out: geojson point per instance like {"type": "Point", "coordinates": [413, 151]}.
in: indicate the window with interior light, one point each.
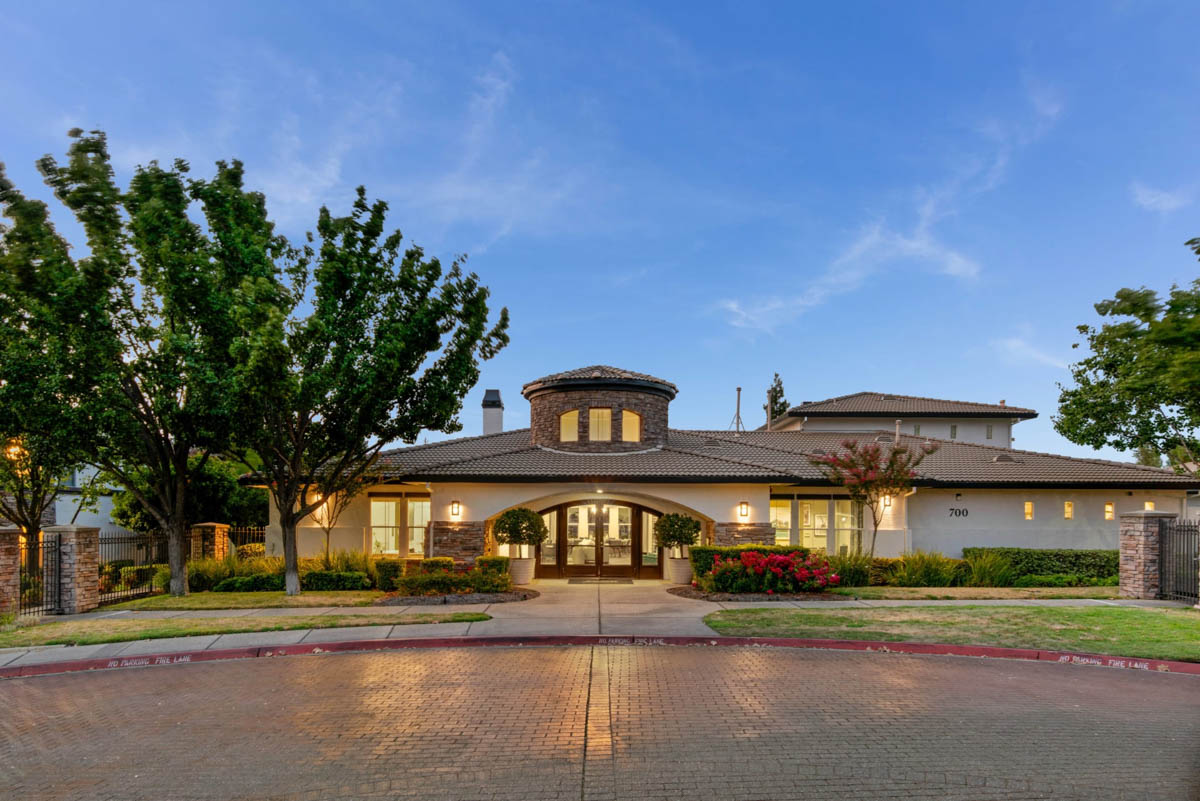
{"type": "Point", "coordinates": [1109, 511]}
{"type": "Point", "coordinates": [568, 426]}
{"type": "Point", "coordinates": [600, 425]}
{"type": "Point", "coordinates": [781, 520]}
{"type": "Point", "coordinates": [1148, 506]}
{"type": "Point", "coordinates": [953, 431]}
{"type": "Point", "coordinates": [916, 428]}
{"type": "Point", "coordinates": [1028, 510]}
{"type": "Point", "coordinates": [1068, 510]}
{"type": "Point", "coordinates": [631, 426]}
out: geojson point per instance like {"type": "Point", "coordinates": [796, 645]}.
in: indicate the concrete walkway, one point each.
{"type": "Point", "coordinates": [640, 609]}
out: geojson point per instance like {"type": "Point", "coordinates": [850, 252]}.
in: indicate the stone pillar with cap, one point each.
{"type": "Point", "coordinates": [1140, 543]}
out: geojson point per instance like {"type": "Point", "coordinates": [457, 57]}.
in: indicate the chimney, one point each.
{"type": "Point", "coordinates": [897, 439]}
{"type": "Point", "coordinates": [493, 412]}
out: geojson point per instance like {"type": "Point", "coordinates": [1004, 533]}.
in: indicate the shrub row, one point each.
{"type": "Point", "coordinates": [754, 571]}
{"type": "Point", "coordinates": [315, 580]}
{"type": "Point", "coordinates": [1099, 564]}
{"type": "Point", "coordinates": [702, 556]}
{"type": "Point", "coordinates": [445, 582]}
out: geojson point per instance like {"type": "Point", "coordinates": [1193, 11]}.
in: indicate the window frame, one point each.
{"type": "Point", "coordinates": [1110, 510]}
{"type": "Point", "coordinates": [1068, 510]}
{"type": "Point", "coordinates": [954, 431]}
{"type": "Point", "coordinates": [988, 433]}
{"type": "Point", "coordinates": [1029, 510]}
{"type": "Point", "coordinates": [592, 427]}
{"type": "Point", "coordinates": [574, 430]}
{"type": "Point", "coordinates": [625, 415]}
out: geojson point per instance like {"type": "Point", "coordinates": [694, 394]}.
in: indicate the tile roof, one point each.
{"type": "Point", "coordinates": [870, 404]}
{"type": "Point", "coordinates": [777, 457]}
{"type": "Point", "coordinates": [598, 372]}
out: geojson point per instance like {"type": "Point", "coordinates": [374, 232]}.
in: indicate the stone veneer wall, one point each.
{"type": "Point", "coordinates": [545, 408]}
{"type": "Point", "coordinates": [10, 557]}
{"type": "Point", "coordinates": [1139, 544]}
{"type": "Point", "coordinates": [78, 567]}
{"type": "Point", "coordinates": [743, 534]}
{"type": "Point", "coordinates": [462, 541]}
{"type": "Point", "coordinates": [209, 540]}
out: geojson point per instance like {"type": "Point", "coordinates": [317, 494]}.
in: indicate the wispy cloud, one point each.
{"type": "Point", "coordinates": [1160, 200]}
{"type": "Point", "coordinates": [920, 245]}
{"type": "Point", "coordinates": [1019, 350]}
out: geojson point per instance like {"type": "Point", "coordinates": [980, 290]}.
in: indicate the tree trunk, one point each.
{"type": "Point", "coordinates": [291, 560]}
{"type": "Point", "coordinates": [177, 553]}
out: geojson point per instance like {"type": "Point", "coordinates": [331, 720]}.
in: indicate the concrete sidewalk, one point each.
{"type": "Point", "coordinates": [640, 609]}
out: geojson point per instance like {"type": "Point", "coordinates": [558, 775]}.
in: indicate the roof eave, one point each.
{"type": "Point", "coordinates": [997, 415]}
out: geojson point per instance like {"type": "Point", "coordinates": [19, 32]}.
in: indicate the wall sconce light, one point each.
{"type": "Point", "coordinates": [887, 501]}
{"type": "Point", "coordinates": [455, 508]}
{"type": "Point", "coordinates": [743, 509]}
{"type": "Point", "coordinates": [599, 490]}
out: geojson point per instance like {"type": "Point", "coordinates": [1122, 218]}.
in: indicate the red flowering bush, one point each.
{"type": "Point", "coordinates": [752, 571]}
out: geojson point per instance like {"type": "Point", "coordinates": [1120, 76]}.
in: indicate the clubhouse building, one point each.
{"type": "Point", "coordinates": [600, 462]}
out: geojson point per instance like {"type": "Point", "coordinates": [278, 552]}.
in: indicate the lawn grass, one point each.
{"type": "Point", "coordinates": [100, 630]}
{"type": "Point", "coordinates": [1155, 633]}
{"type": "Point", "coordinates": [973, 593]}
{"type": "Point", "coordinates": [250, 600]}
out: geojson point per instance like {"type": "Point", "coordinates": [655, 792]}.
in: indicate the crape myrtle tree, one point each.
{"type": "Point", "coordinates": [870, 475]}
{"type": "Point", "coordinates": [139, 322]}
{"type": "Point", "coordinates": [360, 344]}
{"type": "Point", "coordinates": [1139, 387]}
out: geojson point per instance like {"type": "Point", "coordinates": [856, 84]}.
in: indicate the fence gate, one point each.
{"type": "Point", "coordinates": [38, 576]}
{"type": "Point", "coordinates": [1179, 560]}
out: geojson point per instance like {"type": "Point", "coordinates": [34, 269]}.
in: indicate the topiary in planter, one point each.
{"type": "Point", "coordinates": [520, 526]}
{"type": "Point", "coordinates": [674, 531]}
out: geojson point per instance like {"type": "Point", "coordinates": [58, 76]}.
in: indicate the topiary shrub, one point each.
{"type": "Point", "coordinates": [674, 531]}
{"type": "Point", "coordinates": [433, 563]}
{"type": "Point", "coordinates": [492, 564]}
{"type": "Point", "coordinates": [387, 572]}
{"type": "Point", "coordinates": [520, 526]}
{"type": "Point", "coordinates": [332, 580]}
{"type": "Point", "coordinates": [1094, 563]}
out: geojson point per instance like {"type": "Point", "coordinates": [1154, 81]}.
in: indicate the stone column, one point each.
{"type": "Point", "coordinates": [10, 582]}
{"type": "Point", "coordinates": [743, 534]}
{"type": "Point", "coordinates": [209, 540]}
{"type": "Point", "coordinates": [1139, 544]}
{"type": "Point", "coordinates": [78, 567]}
{"type": "Point", "coordinates": [460, 540]}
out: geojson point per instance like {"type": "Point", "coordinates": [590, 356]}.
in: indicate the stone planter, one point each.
{"type": "Point", "coordinates": [521, 570]}
{"type": "Point", "coordinates": [677, 571]}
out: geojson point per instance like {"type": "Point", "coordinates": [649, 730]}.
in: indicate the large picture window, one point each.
{"type": "Point", "coordinates": [398, 525]}
{"type": "Point", "coordinates": [600, 425]}
{"type": "Point", "coordinates": [781, 521]}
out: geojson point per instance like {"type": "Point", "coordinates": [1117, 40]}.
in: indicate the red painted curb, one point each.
{"type": "Point", "coordinates": [300, 649]}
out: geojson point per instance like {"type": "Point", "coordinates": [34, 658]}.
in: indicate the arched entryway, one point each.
{"type": "Point", "coordinates": [593, 537]}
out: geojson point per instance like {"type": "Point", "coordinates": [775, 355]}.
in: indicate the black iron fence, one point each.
{"type": "Point", "coordinates": [246, 535]}
{"type": "Point", "coordinates": [38, 575]}
{"type": "Point", "coordinates": [129, 564]}
{"type": "Point", "coordinates": [1179, 560]}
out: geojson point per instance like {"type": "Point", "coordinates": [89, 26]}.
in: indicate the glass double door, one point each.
{"type": "Point", "coordinates": [600, 539]}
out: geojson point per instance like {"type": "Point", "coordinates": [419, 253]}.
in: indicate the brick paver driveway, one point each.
{"type": "Point", "coordinates": [602, 723]}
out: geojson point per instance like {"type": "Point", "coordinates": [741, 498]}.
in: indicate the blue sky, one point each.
{"type": "Point", "coordinates": [920, 198]}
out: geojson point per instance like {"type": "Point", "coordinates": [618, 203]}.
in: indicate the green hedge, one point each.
{"type": "Point", "coordinates": [1035, 561]}
{"type": "Point", "coordinates": [702, 555]}
{"type": "Point", "coordinates": [132, 576]}
{"type": "Point", "coordinates": [326, 580]}
{"type": "Point", "coordinates": [388, 572]}
{"type": "Point", "coordinates": [255, 582]}
{"type": "Point", "coordinates": [436, 563]}
{"type": "Point", "coordinates": [444, 582]}
{"type": "Point", "coordinates": [492, 564]}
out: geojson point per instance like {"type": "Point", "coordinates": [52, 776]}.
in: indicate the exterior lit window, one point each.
{"type": "Point", "coordinates": [781, 520]}
{"type": "Point", "coordinates": [568, 426]}
{"type": "Point", "coordinates": [1109, 511]}
{"type": "Point", "coordinates": [989, 431]}
{"type": "Point", "coordinates": [916, 428]}
{"type": "Point", "coordinates": [1149, 506]}
{"type": "Point", "coordinates": [953, 431]}
{"type": "Point", "coordinates": [1028, 510]}
{"type": "Point", "coordinates": [1068, 510]}
{"type": "Point", "coordinates": [600, 425]}
{"type": "Point", "coordinates": [631, 426]}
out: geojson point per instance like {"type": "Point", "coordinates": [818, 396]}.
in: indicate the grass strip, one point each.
{"type": "Point", "coordinates": [1153, 633]}
{"type": "Point", "coordinates": [974, 593]}
{"type": "Point", "coordinates": [94, 631]}
{"type": "Point", "coordinates": [249, 600]}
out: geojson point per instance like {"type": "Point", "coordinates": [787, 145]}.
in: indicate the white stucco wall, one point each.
{"type": "Point", "coordinates": [997, 517]}
{"type": "Point", "coordinates": [969, 429]}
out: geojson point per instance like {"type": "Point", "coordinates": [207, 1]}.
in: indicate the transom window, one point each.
{"type": "Point", "coordinates": [600, 425]}
{"type": "Point", "coordinates": [631, 426]}
{"type": "Point", "coordinates": [568, 426]}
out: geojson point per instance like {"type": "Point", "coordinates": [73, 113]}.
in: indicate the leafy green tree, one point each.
{"type": "Point", "coordinates": [870, 475]}
{"type": "Point", "coordinates": [1139, 387]}
{"type": "Point", "coordinates": [1148, 456]}
{"type": "Point", "coordinates": [139, 327]}
{"type": "Point", "coordinates": [359, 345]}
{"type": "Point", "coordinates": [779, 404]}
{"type": "Point", "coordinates": [214, 495]}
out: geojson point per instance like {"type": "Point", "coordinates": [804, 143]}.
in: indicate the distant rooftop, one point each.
{"type": "Point", "coordinates": [880, 404]}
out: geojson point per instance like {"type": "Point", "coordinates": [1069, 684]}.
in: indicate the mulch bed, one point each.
{"type": "Point", "coordinates": [395, 599]}
{"type": "Point", "coordinates": [699, 595]}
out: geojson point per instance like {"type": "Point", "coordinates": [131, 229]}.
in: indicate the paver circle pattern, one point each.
{"type": "Point", "coordinates": [603, 722]}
